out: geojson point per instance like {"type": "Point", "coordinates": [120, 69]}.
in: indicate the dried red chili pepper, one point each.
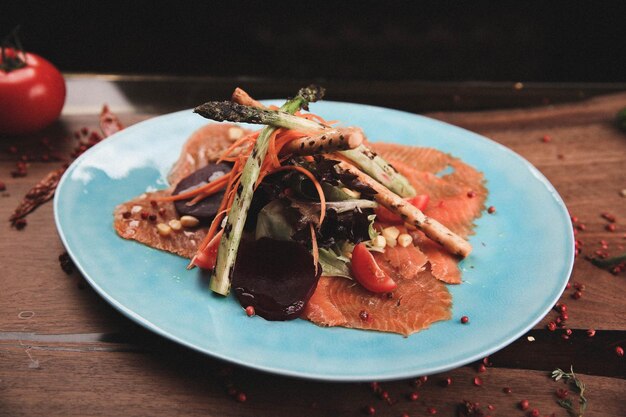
{"type": "Point", "coordinates": [109, 123]}
{"type": "Point", "coordinates": [37, 195]}
{"type": "Point", "coordinates": [45, 188]}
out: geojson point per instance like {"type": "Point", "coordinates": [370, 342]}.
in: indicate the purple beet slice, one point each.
{"type": "Point", "coordinates": [275, 277]}
{"type": "Point", "coordinates": [206, 209]}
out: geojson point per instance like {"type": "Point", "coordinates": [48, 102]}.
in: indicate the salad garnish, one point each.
{"type": "Point", "coordinates": [389, 186]}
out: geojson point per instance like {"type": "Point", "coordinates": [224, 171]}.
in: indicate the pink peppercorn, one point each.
{"type": "Point", "coordinates": [20, 224]}
{"type": "Point", "coordinates": [523, 405]}
{"type": "Point", "coordinates": [464, 319]}
{"type": "Point", "coordinates": [619, 351]}
{"type": "Point", "coordinates": [369, 410]}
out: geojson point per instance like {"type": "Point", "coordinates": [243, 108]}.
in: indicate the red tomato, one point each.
{"type": "Point", "coordinates": [31, 97]}
{"type": "Point", "coordinates": [367, 272]}
{"type": "Point", "coordinates": [208, 257]}
{"type": "Point", "coordinates": [420, 201]}
{"type": "Point", "coordinates": [386, 216]}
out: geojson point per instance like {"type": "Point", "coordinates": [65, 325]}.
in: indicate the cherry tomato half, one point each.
{"type": "Point", "coordinates": [208, 257]}
{"type": "Point", "coordinates": [31, 97]}
{"type": "Point", "coordinates": [367, 272]}
{"type": "Point", "coordinates": [384, 215]}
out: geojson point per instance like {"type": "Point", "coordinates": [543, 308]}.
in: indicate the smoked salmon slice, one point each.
{"type": "Point", "coordinates": [414, 305]}
{"type": "Point", "coordinates": [137, 219]}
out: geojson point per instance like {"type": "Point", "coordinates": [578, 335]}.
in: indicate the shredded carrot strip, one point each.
{"type": "Point", "coordinates": [196, 199]}
{"type": "Point", "coordinates": [272, 156]}
{"type": "Point", "coordinates": [248, 138]}
{"type": "Point", "coordinates": [228, 159]}
{"type": "Point", "coordinates": [207, 189]}
{"type": "Point", "coordinates": [315, 182]}
{"type": "Point", "coordinates": [215, 238]}
{"type": "Point", "coordinates": [315, 117]}
{"type": "Point", "coordinates": [217, 221]}
{"type": "Point", "coordinates": [285, 139]}
{"type": "Point", "coordinates": [291, 134]}
{"type": "Point", "coordinates": [315, 250]}
{"type": "Point", "coordinates": [224, 206]}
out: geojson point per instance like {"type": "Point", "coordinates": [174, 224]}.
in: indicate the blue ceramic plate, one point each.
{"type": "Point", "coordinates": [522, 258]}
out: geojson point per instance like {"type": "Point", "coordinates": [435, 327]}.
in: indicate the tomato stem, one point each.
{"type": "Point", "coordinates": [12, 41]}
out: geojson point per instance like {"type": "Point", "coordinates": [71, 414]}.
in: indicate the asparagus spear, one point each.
{"type": "Point", "coordinates": [233, 112]}
{"type": "Point", "coordinates": [365, 158]}
{"type": "Point", "coordinates": [454, 243]}
{"type": "Point", "coordinates": [229, 244]}
{"type": "Point", "coordinates": [375, 166]}
{"type": "Point", "coordinates": [331, 140]}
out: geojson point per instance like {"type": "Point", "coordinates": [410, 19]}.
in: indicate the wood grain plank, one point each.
{"type": "Point", "coordinates": [69, 380]}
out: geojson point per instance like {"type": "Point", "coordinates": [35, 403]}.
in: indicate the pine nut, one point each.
{"type": "Point", "coordinates": [379, 242]}
{"type": "Point", "coordinates": [176, 225]}
{"type": "Point", "coordinates": [189, 221]}
{"type": "Point", "coordinates": [235, 133]}
{"type": "Point", "coordinates": [390, 234]}
{"type": "Point", "coordinates": [405, 240]}
{"type": "Point", "coordinates": [163, 229]}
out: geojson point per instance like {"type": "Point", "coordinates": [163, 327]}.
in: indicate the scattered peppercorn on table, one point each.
{"type": "Point", "coordinates": [65, 352]}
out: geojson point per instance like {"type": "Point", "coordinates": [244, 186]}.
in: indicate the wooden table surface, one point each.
{"type": "Point", "coordinates": [65, 352]}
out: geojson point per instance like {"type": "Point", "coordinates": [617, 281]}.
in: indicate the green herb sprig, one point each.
{"type": "Point", "coordinates": [559, 374]}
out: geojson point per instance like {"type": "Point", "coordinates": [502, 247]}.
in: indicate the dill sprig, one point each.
{"type": "Point", "coordinates": [566, 403]}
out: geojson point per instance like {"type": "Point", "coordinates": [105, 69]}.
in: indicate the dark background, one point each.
{"type": "Point", "coordinates": [431, 41]}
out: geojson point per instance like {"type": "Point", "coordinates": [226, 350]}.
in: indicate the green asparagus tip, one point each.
{"type": "Point", "coordinates": [311, 94]}
{"type": "Point", "coordinates": [228, 111]}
